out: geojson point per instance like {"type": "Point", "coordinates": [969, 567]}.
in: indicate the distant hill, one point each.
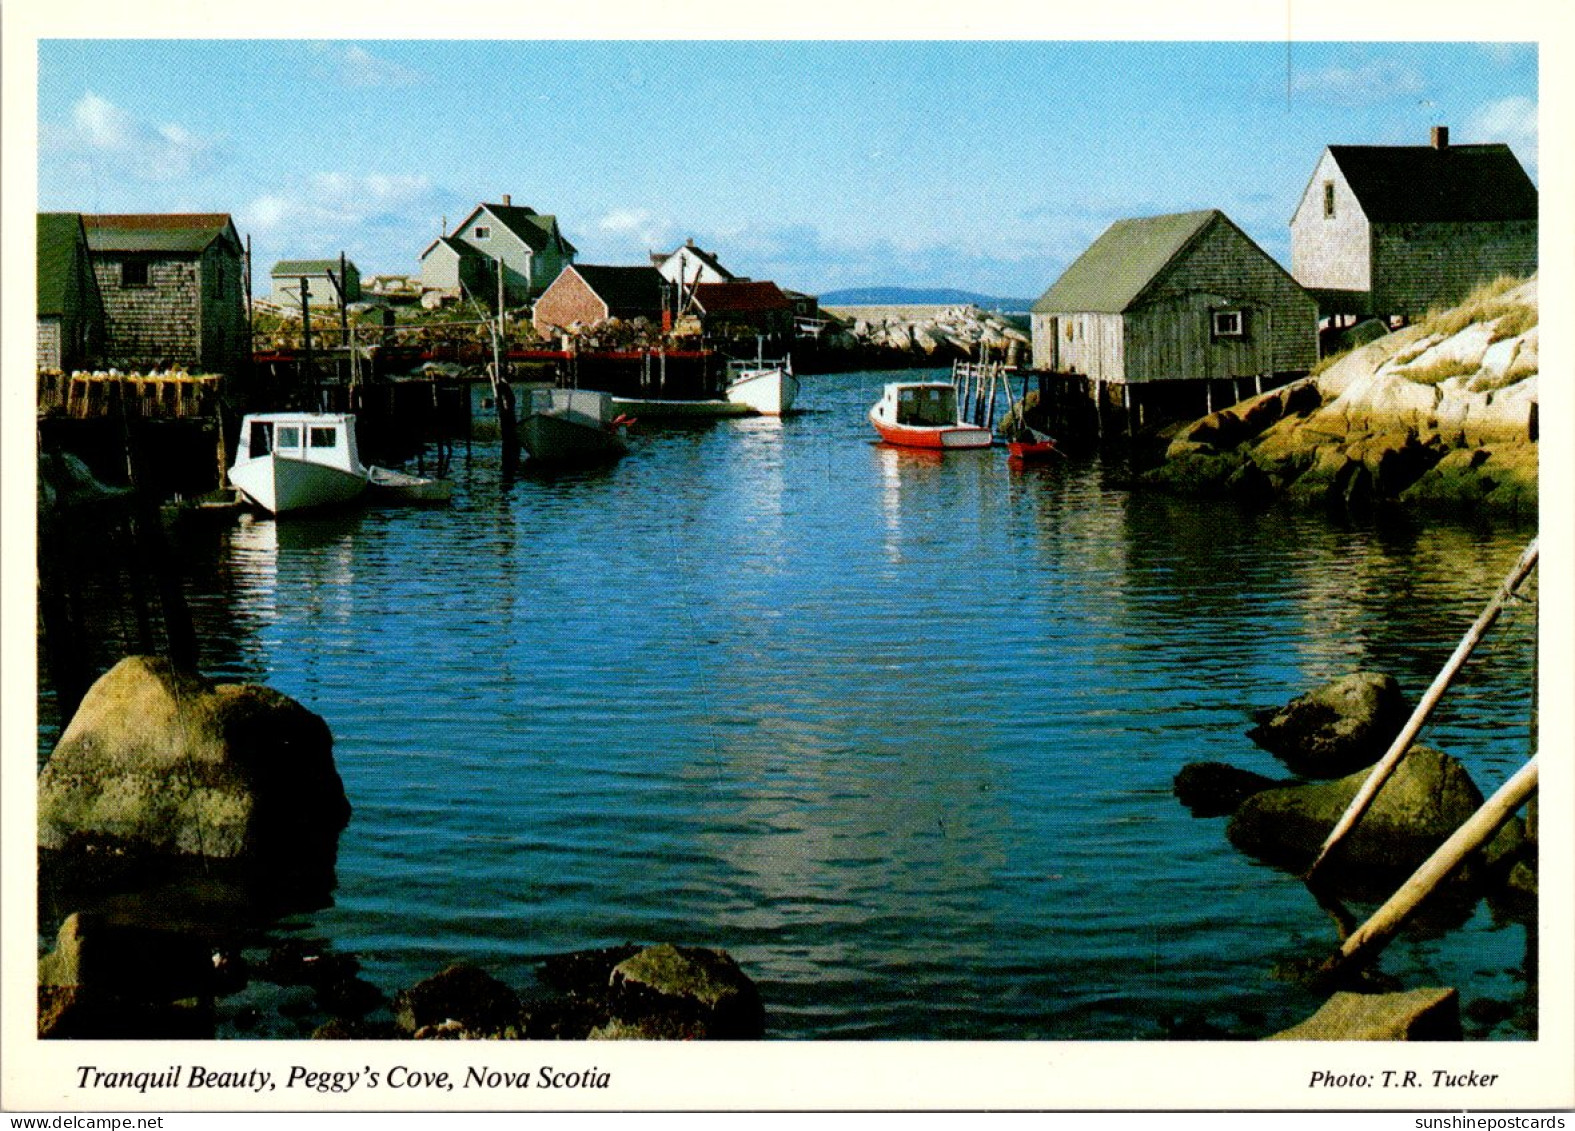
{"type": "Point", "coordinates": [916, 296]}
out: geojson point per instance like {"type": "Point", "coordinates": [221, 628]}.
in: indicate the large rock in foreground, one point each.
{"type": "Point", "coordinates": [693, 992]}
{"type": "Point", "coordinates": [164, 762]}
{"type": "Point", "coordinates": [1427, 798]}
{"type": "Point", "coordinates": [1337, 728]}
{"type": "Point", "coordinates": [1415, 1015]}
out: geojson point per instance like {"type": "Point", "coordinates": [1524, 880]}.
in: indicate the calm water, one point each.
{"type": "Point", "coordinates": [897, 731]}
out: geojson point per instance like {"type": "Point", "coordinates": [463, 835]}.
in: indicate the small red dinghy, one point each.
{"type": "Point", "coordinates": [1030, 444]}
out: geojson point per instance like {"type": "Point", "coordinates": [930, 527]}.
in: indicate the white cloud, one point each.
{"type": "Point", "coordinates": [1511, 120]}
{"type": "Point", "coordinates": [357, 67]}
{"type": "Point", "coordinates": [627, 234]}
{"type": "Point", "coordinates": [381, 220]}
{"type": "Point", "coordinates": [103, 132]}
{"type": "Point", "coordinates": [1371, 81]}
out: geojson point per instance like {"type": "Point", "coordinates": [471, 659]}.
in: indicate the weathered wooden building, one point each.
{"type": "Point", "coordinates": [588, 293]}
{"type": "Point", "coordinates": [1187, 296]}
{"type": "Point", "coordinates": [70, 308]}
{"type": "Point", "coordinates": [172, 290]}
{"type": "Point", "coordinates": [529, 246]}
{"type": "Point", "coordinates": [320, 276]}
{"type": "Point", "coordinates": [1396, 229]}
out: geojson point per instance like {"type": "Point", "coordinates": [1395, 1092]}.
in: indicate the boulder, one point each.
{"type": "Point", "coordinates": [1335, 729]}
{"type": "Point", "coordinates": [1214, 789]}
{"type": "Point", "coordinates": [694, 989]}
{"type": "Point", "coordinates": [460, 1001]}
{"type": "Point", "coordinates": [1427, 798]}
{"type": "Point", "coordinates": [1412, 1015]}
{"type": "Point", "coordinates": [163, 761]}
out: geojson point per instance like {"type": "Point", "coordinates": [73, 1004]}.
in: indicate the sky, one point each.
{"type": "Point", "coordinates": [987, 166]}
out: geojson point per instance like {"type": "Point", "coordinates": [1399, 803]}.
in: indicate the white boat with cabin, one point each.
{"type": "Point", "coordinates": [293, 461]}
{"type": "Point", "coordinates": [768, 387]}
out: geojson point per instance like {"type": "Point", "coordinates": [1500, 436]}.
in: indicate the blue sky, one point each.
{"type": "Point", "coordinates": [982, 165]}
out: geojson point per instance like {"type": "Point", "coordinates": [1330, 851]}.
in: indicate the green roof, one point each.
{"type": "Point", "coordinates": [310, 267]}
{"type": "Point", "coordinates": [1119, 266]}
{"type": "Point", "coordinates": [188, 234]}
{"type": "Point", "coordinates": [59, 234]}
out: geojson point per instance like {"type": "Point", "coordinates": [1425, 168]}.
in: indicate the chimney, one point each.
{"type": "Point", "coordinates": [1440, 137]}
{"type": "Point", "coordinates": [509, 200]}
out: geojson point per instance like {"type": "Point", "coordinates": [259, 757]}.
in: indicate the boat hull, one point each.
{"type": "Point", "coordinates": [769, 391]}
{"type": "Point", "coordinates": [386, 486]}
{"type": "Point", "coordinates": [681, 409]}
{"type": "Point", "coordinates": [571, 426]}
{"type": "Point", "coordinates": [280, 485]}
{"type": "Point", "coordinates": [946, 437]}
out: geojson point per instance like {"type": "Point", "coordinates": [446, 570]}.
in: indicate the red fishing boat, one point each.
{"type": "Point", "coordinates": [924, 415]}
{"type": "Point", "coordinates": [1030, 445]}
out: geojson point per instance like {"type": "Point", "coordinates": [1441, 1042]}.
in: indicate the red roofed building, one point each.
{"type": "Point", "coordinates": [759, 307]}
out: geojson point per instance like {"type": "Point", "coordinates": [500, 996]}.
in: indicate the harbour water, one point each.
{"type": "Point", "coordinates": [898, 731]}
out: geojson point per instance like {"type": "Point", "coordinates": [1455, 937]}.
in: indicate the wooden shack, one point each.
{"type": "Point", "coordinates": [172, 289]}
{"type": "Point", "coordinates": [1393, 230]}
{"type": "Point", "coordinates": [1182, 297]}
{"type": "Point", "coordinates": [70, 308]}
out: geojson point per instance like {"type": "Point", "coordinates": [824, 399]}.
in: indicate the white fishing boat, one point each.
{"type": "Point", "coordinates": [683, 408]}
{"type": "Point", "coordinates": [293, 461]}
{"type": "Point", "coordinates": [571, 426]}
{"type": "Point", "coordinates": [767, 387]}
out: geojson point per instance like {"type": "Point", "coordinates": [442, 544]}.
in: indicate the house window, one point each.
{"type": "Point", "coordinates": [134, 273]}
{"type": "Point", "coordinates": [483, 232]}
{"type": "Point", "coordinates": [1328, 200]}
{"type": "Point", "coordinates": [1229, 324]}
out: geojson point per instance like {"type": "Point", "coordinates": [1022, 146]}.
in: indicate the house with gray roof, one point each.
{"type": "Point", "coordinates": [322, 282]}
{"type": "Point", "coordinates": [70, 308]}
{"type": "Point", "coordinates": [526, 247]}
{"type": "Point", "coordinates": [1187, 296]}
{"type": "Point", "coordinates": [1397, 229]}
{"type": "Point", "coordinates": [172, 290]}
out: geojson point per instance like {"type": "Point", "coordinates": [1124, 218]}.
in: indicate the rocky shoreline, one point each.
{"type": "Point", "coordinates": [1439, 417]}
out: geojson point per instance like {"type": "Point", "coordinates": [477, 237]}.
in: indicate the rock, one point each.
{"type": "Point", "coordinates": [168, 762]}
{"type": "Point", "coordinates": [1213, 789]}
{"type": "Point", "coordinates": [1428, 796]}
{"type": "Point", "coordinates": [127, 960]}
{"type": "Point", "coordinates": [1412, 1015]}
{"type": "Point", "coordinates": [696, 988]}
{"type": "Point", "coordinates": [1335, 729]}
{"type": "Point", "coordinates": [462, 1000]}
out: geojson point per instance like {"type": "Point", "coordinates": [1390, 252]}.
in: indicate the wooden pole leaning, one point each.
{"type": "Point", "coordinates": [1402, 743]}
{"type": "Point", "coordinates": [1367, 940]}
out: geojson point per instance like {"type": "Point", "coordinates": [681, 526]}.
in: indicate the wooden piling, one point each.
{"type": "Point", "coordinates": [1364, 944]}
{"type": "Point", "coordinates": [1402, 743]}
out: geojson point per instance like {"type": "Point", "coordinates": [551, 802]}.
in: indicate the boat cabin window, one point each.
{"type": "Point", "coordinates": [288, 436]}
{"type": "Point", "coordinates": [261, 440]}
{"type": "Point", "coordinates": [927, 407]}
{"type": "Point", "coordinates": [323, 437]}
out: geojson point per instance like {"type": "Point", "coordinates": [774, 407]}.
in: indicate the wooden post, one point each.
{"type": "Point", "coordinates": [1367, 940]}
{"type": "Point", "coordinates": [1385, 765]}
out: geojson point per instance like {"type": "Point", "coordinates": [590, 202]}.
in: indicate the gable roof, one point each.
{"type": "Point", "coordinates": [60, 274]}
{"type": "Point", "coordinates": [311, 267]}
{"type": "Point", "coordinates": [658, 259]}
{"type": "Point", "coordinates": [451, 244]}
{"type": "Point", "coordinates": [637, 290]}
{"type": "Point", "coordinates": [1121, 263]}
{"type": "Point", "coordinates": [538, 232]}
{"type": "Point", "coordinates": [183, 233]}
{"type": "Point", "coordinates": [1423, 184]}
{"type": "Point", "coordinates": [740, 298]}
